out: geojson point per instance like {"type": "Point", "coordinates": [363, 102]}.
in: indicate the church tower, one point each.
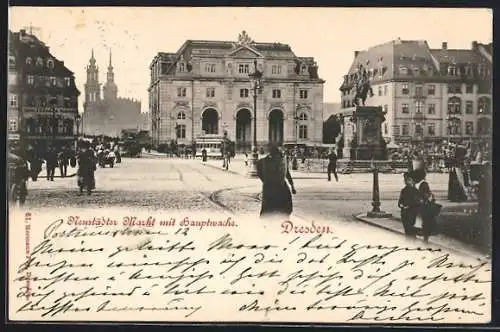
{"type": "Point", "coordinates": [92, 86]}
{"type": "Point", "coordinates": [110, 89]}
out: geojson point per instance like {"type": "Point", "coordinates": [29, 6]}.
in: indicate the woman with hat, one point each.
{"type": "Point", "coordinates": [274, 174]}
{"type": "Point", "coordinates": [428, 209]}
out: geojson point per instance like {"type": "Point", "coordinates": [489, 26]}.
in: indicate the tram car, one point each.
{"type": "Point", "coordinates": [212, 144]}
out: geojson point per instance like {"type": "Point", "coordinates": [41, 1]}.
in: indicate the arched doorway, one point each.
{"type": "Point", "coordinates": [210, 121]}
{"type": "Point", "coordinates": [243, 130]}
{"type": "Point", "coordinates": [276, 126]}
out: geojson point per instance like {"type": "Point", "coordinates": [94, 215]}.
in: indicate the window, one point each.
{"type": "Point", "coordinates": [431, 109]}
{"type": "Point", "coordinates": [454, 88]}
{"type": "Point", "coordinates": [386, 108]}
{"type": "Point", "coordinates": [181, 131]}
{"type": "Point", "coordinates": [469, 128]}
{"type": "Point", "coordinates": [419, 131]}
{"type": "Point", "coordinates": [210, 68]}
{"type": "Point", "coordinates": [303, 94]}
{"type": "Point", "coordinates": [30, 79]}
{"type": "Point", "coordinates": [13, 125]}
{"type": "Point", "coordinates": [406, 130]}
{"type": "Point", "coordinates": [469, 88]}
{"type": "Point", "coordinates": [53, 81]}
{"type": "Point", "coordinates": [483, 106]}
{"type": "Point", "coordinates": [29, 61]}
{"type": "Point", "coordinates": [50, 64]}
{"type": "Point", "coordinates": [431, 129]}
{"type": "Point", "coordinates": [181, 92]}
{"type": "Point", "coordinates": [454, 106]}
{"type": "Point", "coordinates": [303, 116]}
{"type": "Point", "coordinates": [452, 70]}
{"type": "Point", "coordinates": [210, 92]}
{"type": "Point", "coordinates": [276, 93]}
{"type": "Point", "coordinates": [303, 69]}
{"type": "Point", "coordinates": [244, 93]}
{"type": "Point", "coordinates": [405, 89]}
{"type": "Point", "coordinates": [243, 68]}
{"type": "Point", "coordinates": [454, 127]}
{"type": "Point", "coordinates": [182, 67]}
{"type": "Point", "coordinates": [13, 100]}
{"type": "Point", "coordinates": [482, 70]}
{"type": "Point", "coordinates": [431, 90]}
{"type": "Point", "coordinates": [39, 62]}
{"type": "Point", "coordinates": [12, 78]}
{"type": "Point", "coordinates": [276, 69]}
{"type": "Point", "coordinates": [418, 90]}
{"type": "Point", "coordinates": [395, 130]}
{"type": "Point", "coordinates": [419, 105]}
{"type": "Point", "coordinates": [405, 108]}
{"type": "Point", "coordinates": [67, 81]}
{"type": "Point", "coordinates": [385, 90]}
{"type": "Point", "coordinates": [303, 131]}
{"type": "Point", "coordinates": [181, 116]}
{"type": "Point", "coordinates": [469, 107]}
{"type": "Point", "coordinates": [379, 90]}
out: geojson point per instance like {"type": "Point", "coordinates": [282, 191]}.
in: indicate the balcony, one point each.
{"type": "Point", "coordinates": [45, 110]}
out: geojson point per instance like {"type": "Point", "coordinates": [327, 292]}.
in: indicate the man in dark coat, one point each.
{"type": "Point", "coordinates": [51, 163]}
{"type": "Point", "coordinates": [86, 169]}
{"type": "Point", "coordinates": [273, 172]}
{"type": "Point", "coordinates": [332, 166]}
{"type": "Point", "coordinates": [63, 160]}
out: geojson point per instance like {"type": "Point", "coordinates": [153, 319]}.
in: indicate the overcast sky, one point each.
{"type": "Point", "coordinates": [330, 35]}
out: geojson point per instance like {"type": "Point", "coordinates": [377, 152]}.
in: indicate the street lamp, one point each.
{"type": "Point", "coordinates": [256, 79]}
{"type": "Point", "coordinates": [77, 120]}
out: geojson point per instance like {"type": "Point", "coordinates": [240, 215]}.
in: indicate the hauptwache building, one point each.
{"type": "Point", "coordinates": [205, 89]}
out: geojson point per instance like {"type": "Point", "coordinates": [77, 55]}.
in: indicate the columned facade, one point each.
{"type": "Point", "coordinates": [204, 89]}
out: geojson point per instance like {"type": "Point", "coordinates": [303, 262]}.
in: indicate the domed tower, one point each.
{"type": "Point", "coordinates": [92, 86]}
{"type": "Point", "coordinates": [110, 89]}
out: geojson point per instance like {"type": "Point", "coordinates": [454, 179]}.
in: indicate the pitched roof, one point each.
{"type": "Point", "coordinates": [455, 56]}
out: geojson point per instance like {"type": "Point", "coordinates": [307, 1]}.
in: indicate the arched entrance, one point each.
{"type": "Point", "coordinates": [276, 126]}
{"type": "Point", "coordinates": [243, 130]}
{"type": "Point", "coordinates": [210, 121]}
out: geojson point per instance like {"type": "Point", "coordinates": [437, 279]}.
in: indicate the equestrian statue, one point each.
{"type": "Point", "coordinates": [362, 86]}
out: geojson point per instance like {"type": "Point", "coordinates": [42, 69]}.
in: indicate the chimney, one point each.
{"type": "Point", "coordinates": [356, 53]}
{"type": "Point", "coordinates": [445, 46]}
{"type": "Point", "coordinates": [474, 45]}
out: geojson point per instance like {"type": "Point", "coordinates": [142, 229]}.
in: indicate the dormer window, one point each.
{"type": "Point", "coordinates": [403, 70]}
{"type": "Point", "coordinates": [452, 70]}
{"type": "Point", "coordinates": [303, 69]}
{"type": "Point", "coordinates": [182, 67]}
{"type": "Point", "coordinates": [67, 81]}
{"type": "Point", "coordinates": [416, 71]}
{"type": "Point", "coordinates": [276, 69]}
{"type": "Point", "coordinates": [482, 70]}
{"type": "Point", "coordinates": [50, 64]}
{"type": "Point", "coordinates": [29, 61]}
{"type": "Point", "coordinates": [39, 62]}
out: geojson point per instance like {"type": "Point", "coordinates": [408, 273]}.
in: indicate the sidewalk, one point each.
{"type": "Point", "coordinates": [458, 225]}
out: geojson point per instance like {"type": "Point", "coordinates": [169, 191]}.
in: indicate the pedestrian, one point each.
{"type": "Point", "coordinates": [86, 169]}
{"type": "Point", "coordinates": [409, 203]}
{"type": "Point", "coordinates": [332, 165]}
{"type": "Point", "coordinates": [428, 208]}
{"type": "Point", "coordinates": [274, 174]}
{"type": "Point", "coordinates": [51, 163]}
{"type": "Point", "coordinates": [246, 159]}
{"type": "Point", "coordinates": [63, 161]}
{"type": "Point", "coordinates": [204, 155]}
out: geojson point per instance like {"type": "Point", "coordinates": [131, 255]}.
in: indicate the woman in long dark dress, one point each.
{"type": "Point", "coordinates": [426, 211]}
{"type": "Point", "coordinates": [274, 174]}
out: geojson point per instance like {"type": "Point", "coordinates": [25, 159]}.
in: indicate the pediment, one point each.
{"type": "Point", "coordinates": [244, 52]}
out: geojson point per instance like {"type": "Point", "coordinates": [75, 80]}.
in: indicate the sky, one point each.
{"type": "Point", "coordinates": [330, 35]}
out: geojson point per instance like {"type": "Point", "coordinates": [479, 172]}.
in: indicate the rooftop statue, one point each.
{"type": "Point", "coordinates": [244, 38]}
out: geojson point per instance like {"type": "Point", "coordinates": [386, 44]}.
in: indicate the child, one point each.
{"type": "Point", "coordinates": [409, 203]}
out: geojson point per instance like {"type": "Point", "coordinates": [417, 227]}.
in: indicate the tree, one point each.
{"type": "Point", "coordinates": [331, 129]}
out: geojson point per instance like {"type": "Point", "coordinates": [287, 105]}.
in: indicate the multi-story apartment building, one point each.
{"type": "Point", "coordinates": [13, 92]}
{"type": "Point", "coordinates": [204, 88]}
{"type": "Point", "coordinates": [46, 96]}
{"type": "Point", "coordinates": [427, 94]}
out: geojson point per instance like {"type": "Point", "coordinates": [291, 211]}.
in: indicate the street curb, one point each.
{"type": "Point", "coordinates": [364, 220]}
{"type": "Point", "coordinates": [56, 176]}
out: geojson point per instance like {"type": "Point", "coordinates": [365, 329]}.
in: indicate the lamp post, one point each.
{"type": "Point", "coordinates": [77, 120]}
{"type": "Point", "coordinates": [256, 79]}
{"type": "Point", "coordinates": [376, 212]}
